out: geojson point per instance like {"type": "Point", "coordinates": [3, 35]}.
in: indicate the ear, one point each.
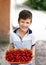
{"type": "Point", "coordinates": [18, 22]}
{"type": "Point", "coordinates": [31, 21]}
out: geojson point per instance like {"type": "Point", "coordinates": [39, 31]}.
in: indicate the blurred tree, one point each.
{"type": "Point", "coordinates": [37, 4]}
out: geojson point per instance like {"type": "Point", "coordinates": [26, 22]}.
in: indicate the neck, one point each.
{"type": "Point", "coordinates": [21, 33]}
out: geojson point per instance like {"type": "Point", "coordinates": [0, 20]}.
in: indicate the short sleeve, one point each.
{"type": "Point", "coordinates": [11, 37]}
{"type": "Point", "coordinates": [33, 40]}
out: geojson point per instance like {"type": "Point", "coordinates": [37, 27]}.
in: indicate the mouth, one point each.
{"type": "Point", "coordinates": [24, 27]}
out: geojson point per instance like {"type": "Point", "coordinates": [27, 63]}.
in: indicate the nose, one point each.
{"type": "Point", "coordinates": [25, 24]}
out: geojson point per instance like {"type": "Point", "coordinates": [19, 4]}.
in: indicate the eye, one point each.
{"type": "Point", "coordinates": [22, 21]}
{"type": "Point", "coordinates": [27, 22]}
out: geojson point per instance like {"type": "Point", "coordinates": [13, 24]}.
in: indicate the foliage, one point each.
{"type": "Point", "coordinates": [37, 4]}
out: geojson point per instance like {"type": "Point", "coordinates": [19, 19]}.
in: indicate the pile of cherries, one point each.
{"type": "Point", "coordinates": [18, 56]}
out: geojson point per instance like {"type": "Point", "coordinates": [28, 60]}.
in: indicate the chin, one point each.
{"type": "Point", "coordinates": [24, 30]}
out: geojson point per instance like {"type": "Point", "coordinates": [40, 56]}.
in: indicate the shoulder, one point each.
{"type": "Point", "coordinates": [29, 36]}
{"type": "Point", "coordinates": [30, 31]}
{"type": "Point", "coordinates": [13, 32]}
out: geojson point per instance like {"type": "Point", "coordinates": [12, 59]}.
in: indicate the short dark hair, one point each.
{"type": "Point", "coordinates": [24, 14]}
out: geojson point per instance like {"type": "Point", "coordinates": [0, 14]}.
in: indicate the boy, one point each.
{"type": "Point", "coordinates": [22, 37]}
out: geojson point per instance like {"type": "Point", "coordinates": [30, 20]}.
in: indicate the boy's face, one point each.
{"type": "Point", "coordinates": [24, 24]}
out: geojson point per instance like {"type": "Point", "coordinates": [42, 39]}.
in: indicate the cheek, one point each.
{"type": "Point", "coordinates": [28, 25]}
{"type": "Point", "coordinates": [23, 25]}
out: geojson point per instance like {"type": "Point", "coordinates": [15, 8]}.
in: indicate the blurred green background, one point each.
{"type": "Point", "coordinates": [36, 4]}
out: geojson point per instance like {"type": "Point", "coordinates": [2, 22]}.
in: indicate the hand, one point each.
{"type": "Point", "coordinates": [33, 59]}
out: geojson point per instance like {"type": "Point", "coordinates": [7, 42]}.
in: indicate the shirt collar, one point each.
{"type": "Point", "coordinates": [28, 32]}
